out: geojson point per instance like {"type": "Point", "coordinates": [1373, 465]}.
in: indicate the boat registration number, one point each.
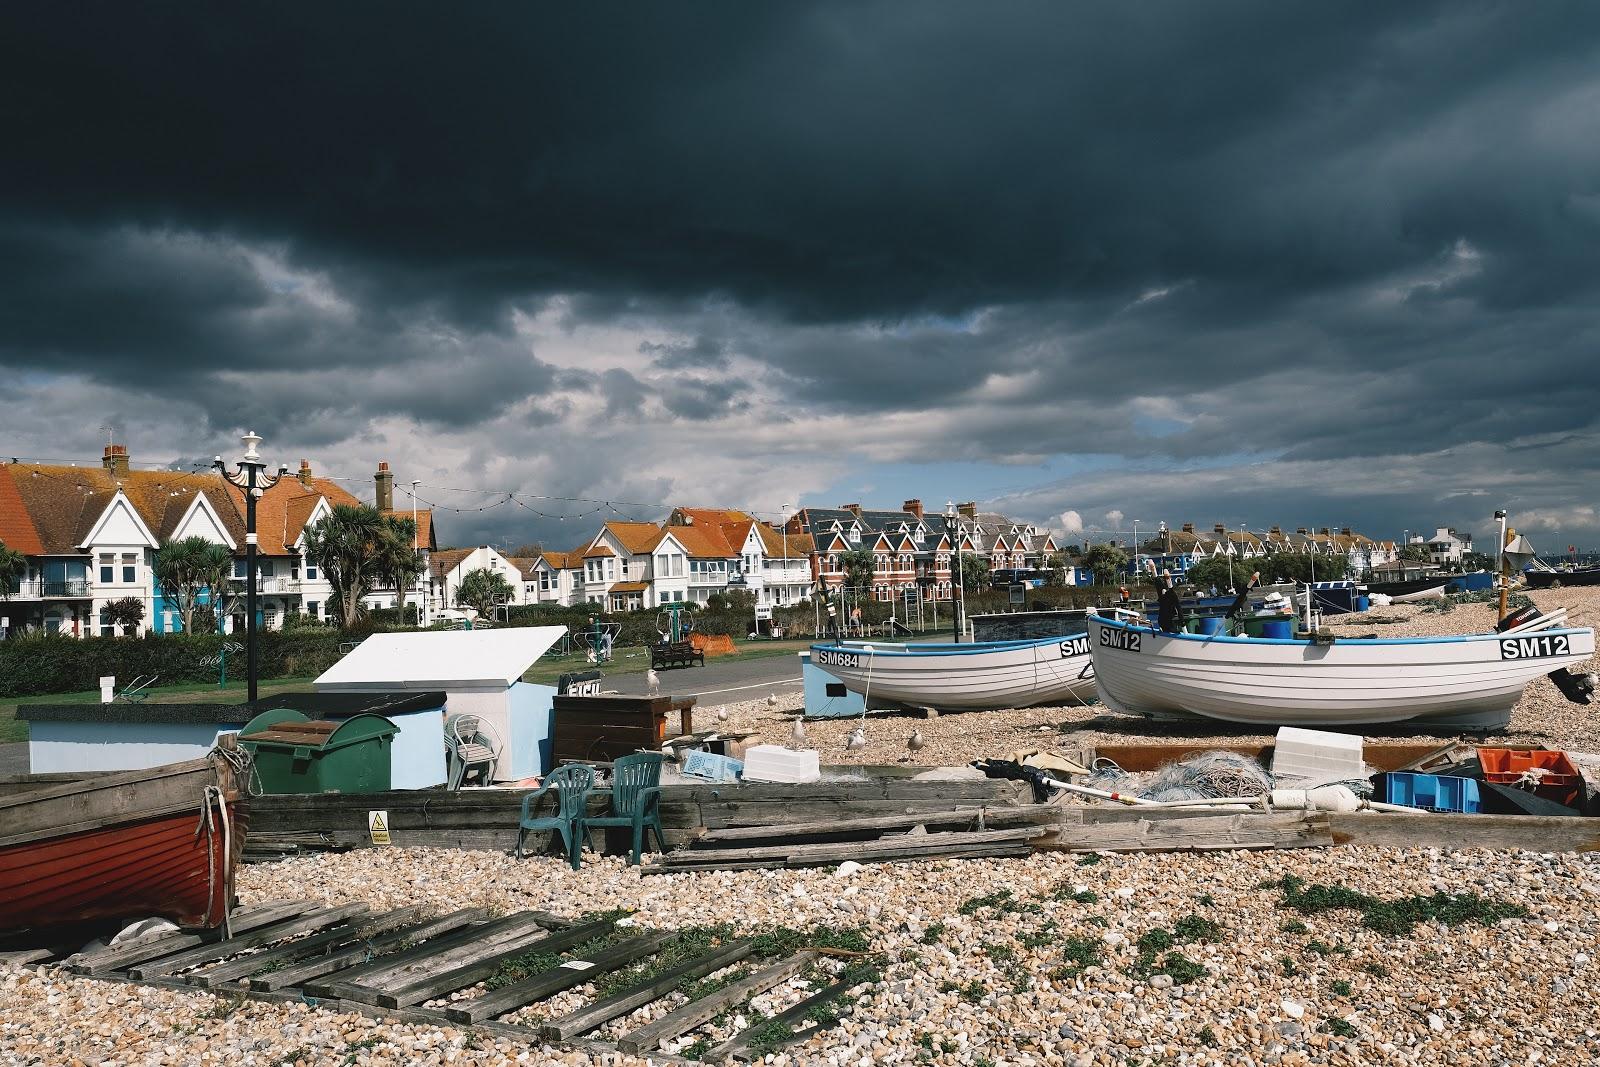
{"type": "Point", "coordinates": [1535, 647]}
{"type": "Point", "coordinates": [1128, 642]}
{"type": "Point", "coordinates": [1078, 646]}
{"type": "Point", "coordinates": [827, 658]}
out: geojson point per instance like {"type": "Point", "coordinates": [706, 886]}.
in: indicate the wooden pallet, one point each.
{"type": "Point", "coordinates": [395, 963]}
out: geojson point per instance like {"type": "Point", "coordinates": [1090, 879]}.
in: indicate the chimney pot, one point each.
{"type": "Point", "coordinates": [1219, 528]}
{"type": "Point", "coordinates": [115, 460]}
{"type": "Point", "coordinates": [384, 488]}
{"type": "Point", "coordinates": [1345, 531]}
{"type": "Point", "coordinates": [305, 473]}
{"type": "Point", "coordinates": [1301, 530]}
{"type": "Point", "coordinates": [969, 509]}
{"type": "Point", "coordinates": [1324, 531]}
{"type": "Point", "coordinates": [1188, 527]}
{"type": "Point", "coordinates": [914, 506]}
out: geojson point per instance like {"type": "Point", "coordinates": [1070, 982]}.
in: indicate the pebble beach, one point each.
{"type": "Point", "coordinates": [1221, 958]}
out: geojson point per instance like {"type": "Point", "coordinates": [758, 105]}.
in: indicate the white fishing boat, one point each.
{"type": "Point", "coordinates": [1468, 683]}
{"type": "Point", "coordinates": [964, 677]}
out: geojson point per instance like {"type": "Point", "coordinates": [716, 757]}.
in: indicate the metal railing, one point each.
{"type": "Point", "coordinates": [72, 587]}
{"type": "Point", "coordinates": [272, 584]}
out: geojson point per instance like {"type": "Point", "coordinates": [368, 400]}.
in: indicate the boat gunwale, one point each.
{"type": "Point", "coordinates": [1366, 641]}
{"type": "Point", "coordinates": [969, 648]}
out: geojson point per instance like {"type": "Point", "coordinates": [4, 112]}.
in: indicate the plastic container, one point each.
{"type": "Point", "coordinates": [1302, 758]}
{"type": "Point", "coordinates": [1210, 625]}
{"type": "Point", "coordinates": [712, 766]}
{"type": "Point", "coordinates": [1554, 776]}
{"type": "Point", "coordinates": [1280, 629]}
{"type": "Point", "coordinates": [294, 754]}
{"type": "Point", "coordinates": [1363, 603]}
{"type": "Point", "coordinates": [1430, 791]}
{"type": "Point", "coordinates": [774, 763]}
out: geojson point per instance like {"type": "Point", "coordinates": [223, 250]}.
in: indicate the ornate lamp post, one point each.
{"type": "Point", "coordinates": [959, 610]}
{"type": "Point", "coordinates": [252, 479]}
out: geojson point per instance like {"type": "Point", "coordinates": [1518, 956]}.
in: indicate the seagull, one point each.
{"type": "Point", "coordinates": [798, 734]}
{"type": "Point", "coordinates": [772, 700]}
{"type": "Point", "coordinates": [914, 742]}
{"type": "Point", "coordinates": [722, 713]}
{"type": "Point", "coordinates": [652, 680]}
{"type": "Point", "coordinates": [857, 739]}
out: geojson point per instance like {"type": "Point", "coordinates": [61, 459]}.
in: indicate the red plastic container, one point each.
{"type": "Point", "coordinates": [1560, 780]}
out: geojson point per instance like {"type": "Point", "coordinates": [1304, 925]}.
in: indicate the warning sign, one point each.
{"type": "Point", "coordinates": [378, 827]}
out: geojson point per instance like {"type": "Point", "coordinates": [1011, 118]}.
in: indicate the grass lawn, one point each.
{"type": "Point", "coordinates": [633, 659]}
{"type": "Point", "coordinates": [13, 729]}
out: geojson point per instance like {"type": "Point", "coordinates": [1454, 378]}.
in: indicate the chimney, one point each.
{"type": "Point", "coordinates": [1275, 530]}
{"type": "Point", "coordinates": [1301, 530]}
{"type": "Point", "coordinates": [1219, 528]}
{"type": "Point", "coordinates": [1345, 531]}
{"type": "Point", "coordinates": [854, 509]}
{"type": "Point", "coordinates": [913, 506]}
{"type": "Point", "coordinates": [305, 473]}
{"type": "Point", "coordinates": [969, 509]}
{"type": "Point", "coordinates": [116, 460]}
{"type": "Point", "coordinates": [385, 487]}
{"type": "Point", "coordinates": [1324, 531]}
{"type": "Point", "coordinates": [1188, 527]}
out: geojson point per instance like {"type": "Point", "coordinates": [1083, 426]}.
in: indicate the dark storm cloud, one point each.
{"type": "Point", "coordinates": [1157, 232]}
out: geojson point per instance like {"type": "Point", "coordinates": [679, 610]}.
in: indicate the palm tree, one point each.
{"type": "Point", "coordinates": [347, 545]}
{"type": "Point", "coordinates": [13, 565]}
{"type": "Point", "coordinates": [399, 563]}
{"type": "Point", "coordinates": [185, 569]}
{"type": "Point", "coordinates": [482, 590]}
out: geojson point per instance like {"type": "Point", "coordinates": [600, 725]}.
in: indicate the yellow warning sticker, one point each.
{"type": "Point", "coordinates": [378, 827]}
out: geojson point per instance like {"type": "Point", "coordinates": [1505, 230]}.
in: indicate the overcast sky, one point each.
{"type": "Point", "coordinates": [1312, 264]}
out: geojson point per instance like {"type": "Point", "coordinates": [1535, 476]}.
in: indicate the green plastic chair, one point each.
{"type": "Point", "coordinates": [635, 801]}
{"type": "Point", "coordinates": [572, 785]}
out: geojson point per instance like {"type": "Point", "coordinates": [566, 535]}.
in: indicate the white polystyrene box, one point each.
{"type": "Point", "coordinates": [1316, 756]}
{"type": "Point", "coordinates": [774, 763]}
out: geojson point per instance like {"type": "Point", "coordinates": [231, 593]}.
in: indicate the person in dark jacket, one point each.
{"type": "Point", "coordinates": [1241, 603]}
{"type": "Point", "coordinates": [1168, 607]}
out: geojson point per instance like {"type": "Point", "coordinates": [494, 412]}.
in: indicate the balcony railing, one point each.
{"type": "Point", "coordinates": [71, 587]}
{"type": "Point", "coordinates": [272, 584]}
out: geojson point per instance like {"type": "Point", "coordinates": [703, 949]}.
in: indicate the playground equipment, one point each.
{"type": "Point", "coordinates": [597, 640]}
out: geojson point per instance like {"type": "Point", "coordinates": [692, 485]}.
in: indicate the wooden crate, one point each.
{"type": "Point", "coordinates": [608, 727]}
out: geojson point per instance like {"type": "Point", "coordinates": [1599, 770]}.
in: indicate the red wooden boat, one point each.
{"type": "Point", "coordinates": [126, 845]}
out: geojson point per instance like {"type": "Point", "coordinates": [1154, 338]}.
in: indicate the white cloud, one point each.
{"type": "Point", "coordinates": [1113, 518]}
{"type": "Point", "coordinates": [1071, 522]}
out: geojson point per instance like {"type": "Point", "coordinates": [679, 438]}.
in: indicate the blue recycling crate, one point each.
{"type": "Point", "coordinates": [698, 763]}
{"type": "Point", "coordinates": [1432, 792]}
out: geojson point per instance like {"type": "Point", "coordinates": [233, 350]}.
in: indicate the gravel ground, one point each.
{"type": "Point", "coordinates": [1051, 974]}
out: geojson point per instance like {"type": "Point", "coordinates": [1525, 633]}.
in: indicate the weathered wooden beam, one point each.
{"type": "Point", "coordinates": [232, 970]}
{"type": "Point", "coordinates": [737, 1045]}
{"type": "Point", "coordinates": [1156, 833]}
{"type": "Point", "coordinates": [547, 983]}
{"type": "Point", "coordinates": [447, 978]}
{"type": "Point", "coordinates": [637, 996]}
{"type": "Point", "coordinates": [396, 968]}
{"type": "Point", "coordinates": [849, 849]}
{"type": "Point", "coordinates": [696, 1012]}
{"type": "Point", "coordinates": [966, 817]}
{"type": "Point", "coordinates": [119, 956]}
{"type": "Point", "coordinates": [311, 920]}
{"type": "Point", "coordinates": [1453, 831]}
{"type": "Point", "coordinates": [363, 953]}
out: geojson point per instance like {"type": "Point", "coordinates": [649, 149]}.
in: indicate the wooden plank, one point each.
{"type": "Point", "coordinates": [1155, 833]}
{"type": "Point", "coordinates": [1543, 833]}
{"type": "Point", "coordinates": [949, 817]}
{"type": "Point", "coordinates": [682, 1020]}
{"type": "Point", "coordinates": [986, 851]}
{"type": "Point", "coordinates": [441, 981]}
{"type": "Point", "coordinates": [311, 920]}
{"type": "Point", "coordinates": [28, 955]}
{"type": "Point", "coordinates": [895, 843]}
{"type": "Point", "coordinates": [232, 970]}
{"type": "Point", "coordinates": [735, 1046]}
{"type": "Point", "coordinates": [637, 996]}
{"type": "Point", "coordinates": [363, 953]}
{"type": "Point", "coordinates": [547, 983]}
{"type": "Point", "coordinates": [119, 956]}
{"type": "Point", "coordinates": [426, 957]}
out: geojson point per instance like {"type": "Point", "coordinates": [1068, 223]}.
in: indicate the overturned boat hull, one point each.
{"type": "Point", "coordinates": [988, 675]}
{"type": "Point", "coordinates": [162, 842]}
{"type": "Point", "coordinates": [1555, 579]}
{"type": "Point", "coordinates": [1469, 683]}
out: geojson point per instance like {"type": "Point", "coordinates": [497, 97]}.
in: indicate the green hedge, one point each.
{"type": "Point", "coordinates": [31, 666]}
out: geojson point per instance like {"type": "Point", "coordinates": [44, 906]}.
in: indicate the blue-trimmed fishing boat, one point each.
{"type": "Point", "coordinates": [964, 677]}
{"type": "Point", "coordinates": [1468, 683]}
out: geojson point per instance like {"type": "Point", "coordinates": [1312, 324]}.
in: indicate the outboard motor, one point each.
{"type": "Point", "coordinates": [1578, 688]}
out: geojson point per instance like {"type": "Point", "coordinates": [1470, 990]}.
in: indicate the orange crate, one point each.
{"type": "Point", "coordinates": [1560, 781]}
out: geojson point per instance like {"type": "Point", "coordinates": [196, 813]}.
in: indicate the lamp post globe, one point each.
{"type": "Point", "coordinates": [251, 479]}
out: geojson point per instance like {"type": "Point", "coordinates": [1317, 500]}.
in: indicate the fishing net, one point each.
{"type": "Point", "coordinates": [1204, 776]}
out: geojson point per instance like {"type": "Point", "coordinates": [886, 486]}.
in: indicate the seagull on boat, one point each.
{"type": "Point", "coordinates": [857, 739]}
{"type": "Point", "coordinates": [652, 680]}
{"type": "Point", "coordinates": [914, 742]}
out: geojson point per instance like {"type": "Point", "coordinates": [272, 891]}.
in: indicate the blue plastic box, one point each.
{"type": "Point", "coordinates": [698, 763]}
{"type": "Point", "coordinates": [1431, 791]}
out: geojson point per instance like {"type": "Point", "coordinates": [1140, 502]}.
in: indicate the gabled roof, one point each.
{"type": "Point", "coordinates": [598, 552]}
{"type": "Point", "coordinates": [283, 511]}
{"type": "Point", "coordinates": [526, 565]}
{"type": "Point", "coordinates": [639, 538]}
{"type": "Point", "coordinates": [63, 503]}
{"type": "Point", "coordinates": [704, 542]}
{"type": "Point", "coordinates": [443, 562]}
{"type": "Point", "coordinates": [425, 531]}
{"type": "Point", "coordinates": [707, 516]}
{"type": "Point", "coordinates": [563, 561]}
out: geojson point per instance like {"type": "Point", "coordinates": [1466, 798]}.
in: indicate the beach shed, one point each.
{"type": "Point", "coordinates": [479, 672]}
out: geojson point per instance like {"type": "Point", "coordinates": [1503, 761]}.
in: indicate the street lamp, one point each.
{"type": "Point", "coordinates": [416, 548]}
{"type": "Point", "coordinates": [960, 610]}
{"type": "Point", "coordinates": [1136, 550]}
{"type": "Point", "coordinates": [251, 477]}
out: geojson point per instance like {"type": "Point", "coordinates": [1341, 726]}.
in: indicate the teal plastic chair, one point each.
{"type": "Point", "coordinates": [572, 784]}
{"type": "Point", "coordinates": [635, 801]}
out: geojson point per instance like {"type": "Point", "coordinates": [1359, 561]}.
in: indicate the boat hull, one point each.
{"type": "Point", "coordinates": [1458, 683]}
{"type": "Point", "coordinates": [1550, 579]}
{"type": "Point", "coordinates": [971, 677]}
{"type": "Point", "coordinates": [120, 847]}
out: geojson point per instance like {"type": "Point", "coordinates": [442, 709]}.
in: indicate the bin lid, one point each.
{"type": "Point", "coordinates": [283, 727]}
{"type": "Point", "coordinates": [447, 659]}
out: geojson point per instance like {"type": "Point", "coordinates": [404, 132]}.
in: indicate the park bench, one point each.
{"type": "Point", "coordinates": [675, 654]}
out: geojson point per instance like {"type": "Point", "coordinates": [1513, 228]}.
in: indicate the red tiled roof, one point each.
{"type": "Point", "coordinates": [704, 542]}
{"type": "Point", "coordinates": [64, 502]}
{"type": "Point", "coordinates": [637, 537]}
{"type": "Point", "coordinates": [443, 562]}
{"type": "Point", "coordinates": [425, 534]}
{"type": "Point", "coordinates": [598, 551]}
{"type": "Point", "coordinates": [17, 531]}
